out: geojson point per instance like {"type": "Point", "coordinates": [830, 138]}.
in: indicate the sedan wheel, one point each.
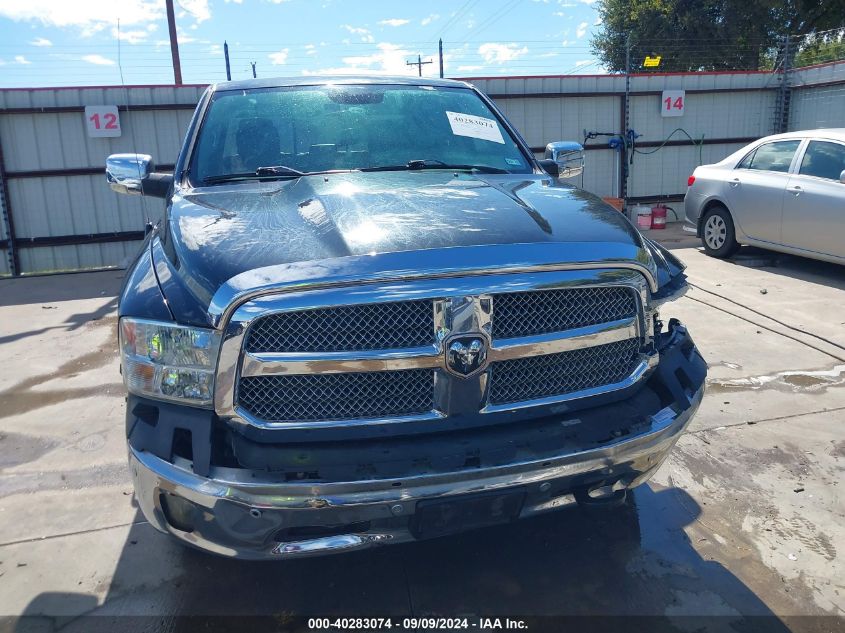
{"type": "Point", "coordinates": [717, 233]}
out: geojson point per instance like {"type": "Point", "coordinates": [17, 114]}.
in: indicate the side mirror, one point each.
{"type": "Point", "coordinates": [842, 177]}
{"type": "Point", "coordinates": [133, 174]}
{"type": "Point", "coordinates": [569, 157]}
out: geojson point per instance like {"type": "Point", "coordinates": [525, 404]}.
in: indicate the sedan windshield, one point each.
{"type": "Point", "coordinates": [274, 133]}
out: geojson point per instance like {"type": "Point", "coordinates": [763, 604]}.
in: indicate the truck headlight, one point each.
{"type": "Point", "coordinates": [167, 361]}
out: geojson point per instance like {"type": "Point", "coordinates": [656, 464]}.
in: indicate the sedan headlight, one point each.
{"type": "Point", "coordinates": [169, 362]}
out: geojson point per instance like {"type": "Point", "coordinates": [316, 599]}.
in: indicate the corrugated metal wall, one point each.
{"type": "Point", "coordinates": [65, 218]}
{"type": "Point", "coordinates": [726, 110]}
{"type": "Point", "coordinates": [53, 171]}
{"type": "Point", "coordinates": [818, 97]}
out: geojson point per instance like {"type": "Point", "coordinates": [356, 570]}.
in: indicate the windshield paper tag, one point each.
{"type": "Point", "coordinates": [475, 127]}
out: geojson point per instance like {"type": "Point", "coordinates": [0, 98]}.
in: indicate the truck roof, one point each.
{"type": "Point", "coordinates": [319, 80]}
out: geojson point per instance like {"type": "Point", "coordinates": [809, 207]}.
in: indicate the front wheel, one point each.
{"type": "Point", "coordinates": [718, 234]}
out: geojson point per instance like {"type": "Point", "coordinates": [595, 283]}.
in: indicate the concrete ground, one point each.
{"type": "Point", "coordinates": [747, 517]}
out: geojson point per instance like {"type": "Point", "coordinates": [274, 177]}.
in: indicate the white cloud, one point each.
{"type": "Point", "coordinates": [41, 41]}
{"type": "Point", "coordinates": [89, 16]}
{"type": "Point", "coordinates": [20, 59]}
{"type": "Point", "coordinates": [394, 22]}
{"type": "Point", "coordinates": [310, 49]}
{"type": "Point", "coordinates": [429, 19]}
{"type": "Point", "coordinates": [583, 62]}
{"type": "Point", "coordinates": [239, 1]}
{"type": "Point", "coordinates": [98, 60]}
{"type": "Point", "coordinates": [469, 69]}
{"type": "Point", "coordinates": [389, 60]}
{"type": "Point", "coordinates": [198, 9]}
{"type": "Point", "coordinates": [132, 37]}
{"type": "Point", "coordinates": [500, 53]}
{"type": "Point", "coordinates": [280, 57]}
{"type": "Point", "coordinates": [365, 34]}
{"type": "Point", "coordinates": [546, 55]}
{"type": "Point", "coordinates": [581, 31]}
{"type": "Point", "coordinates": [152, 27]}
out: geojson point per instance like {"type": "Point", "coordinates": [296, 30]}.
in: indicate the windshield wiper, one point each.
{"type": "Point", "coordinates": [279, 170]}
{"type": "Point", "coordinates": [433, 163]}
{"type": "Point", "coordinates": [262, 173]}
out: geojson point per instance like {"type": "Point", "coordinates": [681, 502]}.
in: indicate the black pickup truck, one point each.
{"type": "Point", "coordinates": [369, 315]}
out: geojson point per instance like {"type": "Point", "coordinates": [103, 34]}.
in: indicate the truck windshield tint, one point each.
{"type": "Point", "coordinates": [347, 127]}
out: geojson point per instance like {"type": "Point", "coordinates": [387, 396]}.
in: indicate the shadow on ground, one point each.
{"type": "Point", "coordinates": [633, 561]}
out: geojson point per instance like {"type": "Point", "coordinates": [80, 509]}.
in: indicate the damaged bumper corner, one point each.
{"type": "Point", "coordinates": [248, 514]}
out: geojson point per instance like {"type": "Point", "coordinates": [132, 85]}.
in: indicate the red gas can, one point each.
{"type": "Point", "coordinates": [658, 217]}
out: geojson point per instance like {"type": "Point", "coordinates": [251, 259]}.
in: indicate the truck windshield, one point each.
{"type": "Point", "coordinates": [290, 131]}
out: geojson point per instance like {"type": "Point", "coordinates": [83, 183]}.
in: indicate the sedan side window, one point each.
{"type": "Point", "coordinates": [823, 160]}
{"type": "Point", "coordinates": [775, 156]}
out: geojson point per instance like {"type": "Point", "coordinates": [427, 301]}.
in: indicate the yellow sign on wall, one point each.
{"type": "Point", "coordinates": [652, 62]}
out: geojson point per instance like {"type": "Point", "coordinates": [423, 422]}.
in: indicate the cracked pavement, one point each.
{"type": "Point", "coordinates": [746, 517]}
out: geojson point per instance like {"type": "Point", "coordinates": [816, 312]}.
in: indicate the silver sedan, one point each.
{"type": "Point", "coordinates": [784, 192]}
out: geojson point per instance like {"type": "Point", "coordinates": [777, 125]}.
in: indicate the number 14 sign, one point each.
{"type": "Point", "coordinates": [672, 103]}
{"type": "Point", "coordinates": [102, 121]}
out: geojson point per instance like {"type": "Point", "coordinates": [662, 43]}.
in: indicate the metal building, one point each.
{"type": "Point", "coordinates": [58, 214]}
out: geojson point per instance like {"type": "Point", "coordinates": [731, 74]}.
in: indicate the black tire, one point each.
{"type": "Point", "coordinates": [718, 235]}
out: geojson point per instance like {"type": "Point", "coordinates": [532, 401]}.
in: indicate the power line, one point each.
{"type": "Point", "coordinates": [490, 21]}
{"type": "Point", "coordinates": [457, 16]}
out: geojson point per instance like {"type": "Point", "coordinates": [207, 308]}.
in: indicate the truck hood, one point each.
{"type": "Point", "coordinates": [214, 236]}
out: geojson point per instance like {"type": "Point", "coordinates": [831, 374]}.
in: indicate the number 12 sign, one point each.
{"type": "Point", "coordinates": [672, 103]}
{"type": "Point", "coordinates": [102, 121]}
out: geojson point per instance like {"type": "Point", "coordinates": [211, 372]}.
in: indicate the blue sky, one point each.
{"type": "Point", "coordinates": [75, 42]}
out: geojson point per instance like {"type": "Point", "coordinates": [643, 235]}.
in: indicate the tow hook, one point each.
{"type": "Point", "coordinates": [601, 495]}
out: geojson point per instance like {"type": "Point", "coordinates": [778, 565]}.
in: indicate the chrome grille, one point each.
{"type": "Point", "coordinates": [388, 356]}
{"type": "Point", "coordinates": [372, 326]}
{"type": "Point", "coordinates": [535, 377]}
{"type": "Point", "coordinates": [545, 311]}
{"type": "Point", "coordinates": [318, 397]}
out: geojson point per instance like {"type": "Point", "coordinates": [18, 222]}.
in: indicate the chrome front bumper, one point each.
{"type": "Point", "coordinates": [239, 515]}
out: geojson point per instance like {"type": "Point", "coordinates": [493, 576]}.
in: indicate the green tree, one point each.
{"type": "Point", "coordinates": [693, 35]}
{"type": "Point", "coordinates": [814, 50]}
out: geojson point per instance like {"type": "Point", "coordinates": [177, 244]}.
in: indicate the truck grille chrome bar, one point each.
{"type": "Point", "coordinates": [433, 349]}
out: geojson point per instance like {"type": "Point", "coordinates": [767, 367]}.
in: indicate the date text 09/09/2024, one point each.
{"type": "Point", "coordinates": [416, 624]}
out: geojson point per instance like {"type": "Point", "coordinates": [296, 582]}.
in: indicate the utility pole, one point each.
{"type": "Point", "coordinates": [440, 48]}
{"type": "Point", "coordinates": [253, 69]}
{"type": "Point", "coordinates": [419, 63]}
{"type": "Point", "coordinates": [226, 55]}
{"type": "Point", "coordinates": [174, 44]}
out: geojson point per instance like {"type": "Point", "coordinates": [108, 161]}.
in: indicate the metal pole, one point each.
{"type": "Point", "coordinates": [8, 220]}
{"type": "Point", "coordinates": [253, 69]}
{"type": "Point", "coordinates": [419, 64]}
{"type": "Point", "coordinates": [627, 122]}
{"type": "Point", "coordinates": [440, 49]}
{"type": "Point", "coordinates": [226, 55]}
{"type": "Point", "coordinates": [174, 44]}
